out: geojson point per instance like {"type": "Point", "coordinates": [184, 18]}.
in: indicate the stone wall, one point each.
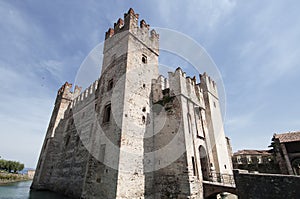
{"type": "Point", "coordinates": [266, 185]}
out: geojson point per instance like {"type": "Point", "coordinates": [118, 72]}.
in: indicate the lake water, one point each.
{"type": "Point", "coordinates": [21, 190]}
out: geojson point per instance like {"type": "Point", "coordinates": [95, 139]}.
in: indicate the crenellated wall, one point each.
{"type": "Point", "coordinates": [117, 39]}
{"type": "Point", "coordinates": [184, 98]}
{"type": "Point", "coordinates": [81, 98]}
{"type": "Point", "coordinates": [178, 84]}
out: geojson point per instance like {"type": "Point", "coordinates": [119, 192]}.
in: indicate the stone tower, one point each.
{"type": "Point", "coordinates": [134, 133]}
{"type": "Point", "coordinates": [215, 126]}
{"type": "Point", "coordinates": [130, 62]}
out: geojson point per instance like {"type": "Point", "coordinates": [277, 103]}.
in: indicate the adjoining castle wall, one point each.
{"type": "Point", "coordinates": [266, 186]}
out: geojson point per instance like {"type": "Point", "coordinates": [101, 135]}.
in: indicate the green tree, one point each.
{"type": "Point", "coordinates": [21, 167]}
{"type": "Point", "coordinates": [11, 166]}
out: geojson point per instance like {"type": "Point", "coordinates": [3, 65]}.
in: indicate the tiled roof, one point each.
{"type": "Point", "coordinates": [252, 152]}
{"type": "Point", "coordinates": [288, 137]}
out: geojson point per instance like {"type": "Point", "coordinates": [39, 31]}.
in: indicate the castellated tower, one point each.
{"type": "Point", "coordinates": [134, 133]}
{"type": "Point", "coordinates": [215, 125]}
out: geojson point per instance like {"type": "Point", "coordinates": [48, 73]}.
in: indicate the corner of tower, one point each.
{"type": "Point", "coordinates": [140, 30]}
{"type": "Point", "coordinates": [129, 35]}
{"type": "Point", "coordinates": [208, 85]}
{"type": "Point", "coordinates": [65, 92]}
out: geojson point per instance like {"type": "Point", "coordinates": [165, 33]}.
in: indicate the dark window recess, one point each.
{"type": "Point", "coordinates": [143, 119]}
{"type": "Point", "coordinates": [107, 113]}
{"type": "Point", "coordinates": [144, 59]}
{"type": "Point", "coordinates": [144, 109]}
{"type": "Point", "coordinates": [144, 85]}
{"type": "Point", "coordinates": [68, 140]}
{"type": "Point", "coordinates": [194, 166]}
{"type": "Point", "coordinates": [215, 104]}
{"type": "Point", "coordinates": [225, 166]}
{"type": "Point", "coordinates": [110, 85]}
{"type": "Point", "coordinates": [189, 122]}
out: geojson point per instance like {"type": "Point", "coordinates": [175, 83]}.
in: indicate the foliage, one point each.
{"type": "Point", "coordinates": [11, 166]}
{"type": "Point", "coordinates": [10, 177]}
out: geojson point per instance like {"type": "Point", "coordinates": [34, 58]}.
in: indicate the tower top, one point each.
{"type": "Point", "coordinates": [130, 22]}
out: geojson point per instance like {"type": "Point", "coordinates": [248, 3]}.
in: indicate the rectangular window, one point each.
{"type": "Point", "coordinates": [107, 113]}
{"type": "Point", "coordinates": [102, 153]}
{"type": "Point", "coordinates": [194, 166]}
{"type": "Point", "coordinates": [110, 85]}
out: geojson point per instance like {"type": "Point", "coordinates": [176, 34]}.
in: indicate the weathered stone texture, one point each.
{"type": "Point", "coordinates": [265, 186]}
{"type": "Point", "coordinates": [133, 133]}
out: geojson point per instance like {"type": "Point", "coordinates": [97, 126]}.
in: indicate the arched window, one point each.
{"type": "Point", "coordinates": [144, 59]}
{"type": "Point", "coordinates": [110, 85]}
{"type": "Point", "coordinates": [296, 166]}
{"type": "Point", "coordinates": [189, 122]}
{"type": "Point", "coordinates": [107, 113]}
{"type": "Point", "coordinates": [204, 163]}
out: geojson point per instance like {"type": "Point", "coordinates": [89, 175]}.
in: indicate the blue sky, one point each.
{"type": "Point", "coordinates": [255, 45]}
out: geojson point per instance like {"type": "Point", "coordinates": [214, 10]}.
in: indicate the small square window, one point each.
{"type": "Point", "coordinates": [144, 59]}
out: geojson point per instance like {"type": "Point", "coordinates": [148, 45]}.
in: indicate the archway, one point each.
{"type": "Point", "coordinates": [204, 163]}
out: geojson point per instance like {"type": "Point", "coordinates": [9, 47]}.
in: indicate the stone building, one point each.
{"type": "Point", "coordinates": [261, 161]}
{"type": "Point", "coordinates": [30, 174]}
{"type": "Point", "coordinates": [134, 133]}
{"type": "Point", "coordinates": [286, 147]}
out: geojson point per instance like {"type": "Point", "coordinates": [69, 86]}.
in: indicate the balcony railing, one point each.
{"type": "Point", "coordinates": [222, 178]}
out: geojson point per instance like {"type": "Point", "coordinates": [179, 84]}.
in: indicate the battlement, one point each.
{"type": "Point", "coordinates": [64, 88]}
{"type": "Point", "coordinates": [177, 83]}
{"type": "Point", "coordinates": [208, 84]}
{"type": "Point", "coordinates": [86, 95]}
{"type": "Point", "coordinates": [77, 97]}
{"type": "Point", "coordinates": [130, 23]}
{"type": "Point", "coordinates": [64, 92]}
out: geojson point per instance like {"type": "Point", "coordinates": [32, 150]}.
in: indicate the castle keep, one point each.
{"type": "Point", "coordinates": [134, 133]}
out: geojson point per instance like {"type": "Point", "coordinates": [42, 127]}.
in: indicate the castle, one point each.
{"type": "Point", "coordinates": [134, 133]}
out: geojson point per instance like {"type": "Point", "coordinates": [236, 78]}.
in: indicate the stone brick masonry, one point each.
{"type": "Point", "coordinates": [134, 133]}
{"type": "Point", "coordinates": [265, 186]}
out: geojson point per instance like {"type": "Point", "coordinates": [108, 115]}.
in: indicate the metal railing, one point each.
{"type": "Point", "coordinates": [222, 178]}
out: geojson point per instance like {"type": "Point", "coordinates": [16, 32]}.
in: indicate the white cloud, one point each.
{"type": "Point", "coordinates": [56, 69]}
{"type": "Point", "coordinates": [270, 50]}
